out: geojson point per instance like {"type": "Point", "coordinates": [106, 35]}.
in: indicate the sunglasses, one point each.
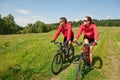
{"type": "Point", "coordinates": [61, 21]}
{"type": "Point", "coordinates": [85, 20]}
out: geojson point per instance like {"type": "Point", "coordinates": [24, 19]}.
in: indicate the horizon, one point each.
{"type": "Point", "coordinates": [58, 22]}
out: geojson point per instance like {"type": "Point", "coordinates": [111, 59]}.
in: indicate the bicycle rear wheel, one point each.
{"type": "Point", "coordinates": [80, 69]}
{"type": "Point", "coordinates": [56, 64]}
{"type": "Point", "coordinates": [71, 54]}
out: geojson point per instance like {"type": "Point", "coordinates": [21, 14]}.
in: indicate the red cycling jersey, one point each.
{"type": "Point", "coordinates": [66, 31]}
{"type": "Point", "coordinates": [90, 32]}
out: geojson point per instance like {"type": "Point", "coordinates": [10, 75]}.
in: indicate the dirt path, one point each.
{"type": "Point", "coordinates": [109, 51]}
{"type": "Point", "coordinates": [114, 66]}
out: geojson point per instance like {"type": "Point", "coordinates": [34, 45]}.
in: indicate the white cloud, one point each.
{"type": "Point", "coordinates": [118, 17]}
{"type": "Point", "coordinates": [24, 20]}
{"type": "Point", "coordinates": [24, 11]}
{"type": "Point", "coordinates": [82, 15]}
{"type": "Point", "coordinates": [112, 17]}
{"type": "Point", "coordinates": [109, 17]}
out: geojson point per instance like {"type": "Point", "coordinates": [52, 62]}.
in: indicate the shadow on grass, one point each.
{"type": "Point", "coordinates": [76, 59]}
{"type": "Point", "coordinates": [97, 63]}
{"type": "Point", "coordinates": [67, 63]}
{"type": "Point", "coordinates": [97, 59]}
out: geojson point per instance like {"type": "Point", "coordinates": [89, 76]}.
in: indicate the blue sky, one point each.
{"type": "Point", "coordinates": [49, 11]}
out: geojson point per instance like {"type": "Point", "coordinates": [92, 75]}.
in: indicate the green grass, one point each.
{"type": "Point", "coordinates": [28, 57]}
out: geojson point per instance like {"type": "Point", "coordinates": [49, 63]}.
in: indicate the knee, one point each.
{"type": "Point", "coordinates": [91, 51]}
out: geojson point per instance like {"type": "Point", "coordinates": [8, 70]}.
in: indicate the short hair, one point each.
{"type": "Point", "coordinates": [64, 19]}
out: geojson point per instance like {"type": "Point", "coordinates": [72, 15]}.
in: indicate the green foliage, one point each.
{"type": "Point", "coordinates": [76, 24]}
{"type": "Point", "coordinates": [109, 22]}
{"type": "Point", "coordinates": [8, 25]}
{"type": "Point", "coordinates": [38, 27]}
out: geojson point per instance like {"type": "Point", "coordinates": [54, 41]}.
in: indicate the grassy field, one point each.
{"type": "Point", "coordinates": [28, 57]}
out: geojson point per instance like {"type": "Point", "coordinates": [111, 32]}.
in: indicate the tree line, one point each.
{"type": "Point", "coordinates": [37, 27]}
{"type": "Point", "coordinates": [103, 23]}
{"type": "Point", "coordinates": [8, 25]}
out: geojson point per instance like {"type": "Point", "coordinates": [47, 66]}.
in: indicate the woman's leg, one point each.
{"type": "Point", "coordinates": [91, 57]}
{"type": "Point", "coordinates": [86, 41]}
{"type": "Point", "coordinates": [91, 51]}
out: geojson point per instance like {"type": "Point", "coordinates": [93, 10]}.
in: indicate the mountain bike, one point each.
{"type": "Point", "coordinates": [83, 60]}
{"type": "Point", "coordinates": [63, 53]}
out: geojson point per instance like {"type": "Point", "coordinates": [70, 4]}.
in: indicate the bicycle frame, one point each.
{"type": "Point", "coordinates": [60, 57]}
{"type": "Point", "coordinates": [62, 49]}
{"type": "Point", "coordinates": [86, 52]}
{"type": "Point", "coordinates": [83, 60]}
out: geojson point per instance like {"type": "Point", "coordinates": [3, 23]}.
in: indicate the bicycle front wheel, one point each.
{"type": "Point", "coordinates": [71, 54]}
{"type": "Point", "coordinates": [80, 69]}
{"type": "Point", "coordinates": [56, 64]}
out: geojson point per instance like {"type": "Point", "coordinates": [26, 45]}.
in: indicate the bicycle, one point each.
{"type": "Point", "coordinates": [83, 60]}
{"type": "Point", "coordinates": [61, 55]}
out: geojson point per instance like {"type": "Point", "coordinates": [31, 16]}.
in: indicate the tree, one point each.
{"type": "Point", "coordinates": [8, 25]}
{"type": "Point", "coordinates": [40, 27]}
{"type": "Point", "coordinates": [28, 28]}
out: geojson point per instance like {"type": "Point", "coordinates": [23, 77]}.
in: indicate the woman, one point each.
{"type": "Point", "coordinates": [90, 34]}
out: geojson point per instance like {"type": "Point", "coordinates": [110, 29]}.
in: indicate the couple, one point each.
{"type": "Point", "coordinates": [88, 27]}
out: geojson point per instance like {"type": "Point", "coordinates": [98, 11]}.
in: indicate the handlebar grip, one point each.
{"type": "Point", "coordinates": [94, 43]}
{"type": "Point", "coordinates": [78, 43]}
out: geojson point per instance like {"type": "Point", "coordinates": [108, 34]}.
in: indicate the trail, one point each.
{"type": "Point", "coordinates": [114, 66]}
{"type": "Point", "coordinates": [66, 71]}
{"type": "Point", "coordinates": [108, 50]}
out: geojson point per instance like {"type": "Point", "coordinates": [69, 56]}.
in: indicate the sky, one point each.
{"type": "Point", "coordinates": [49, 11]}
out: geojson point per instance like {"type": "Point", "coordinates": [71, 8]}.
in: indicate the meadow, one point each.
{"type": "Point", "coordinates": [28, 56]}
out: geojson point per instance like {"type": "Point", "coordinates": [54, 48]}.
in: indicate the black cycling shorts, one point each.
{"type": "Point", "coordinates": [65, 39]}
{"type": "Point", "coordinates": [90, 40]}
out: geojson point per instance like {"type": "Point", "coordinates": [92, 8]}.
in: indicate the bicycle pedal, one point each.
{"type": "Point", "coordinates": [57, 62]}
{"type": "Point", "coordinates": [67, 54]}
{"type": "Point", "coordinates": [88, 63]}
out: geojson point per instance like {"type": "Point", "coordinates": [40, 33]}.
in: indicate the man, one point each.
{"type": "Point", "coordinates": [66, 29]}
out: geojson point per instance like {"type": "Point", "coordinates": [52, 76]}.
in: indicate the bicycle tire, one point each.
{"type": "Point", "coordinates": [71, 55]}
{"type": "Point", "coordinates": [80, 69]}
{"type": "Point", "coordinates": [56, 64]}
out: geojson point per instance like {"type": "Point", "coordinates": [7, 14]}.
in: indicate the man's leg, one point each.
{"type": "Point", "coordinates": [71, 46]}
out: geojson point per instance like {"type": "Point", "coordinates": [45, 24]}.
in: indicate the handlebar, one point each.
{"type": "Point", "coordinates": [78, 43]}
{"type": "Point", "coordinates": [54, 42]}
{"type": "Point", "coordinates": [62, 44]}
{"type": "Point", "coordinates": [90, 44]}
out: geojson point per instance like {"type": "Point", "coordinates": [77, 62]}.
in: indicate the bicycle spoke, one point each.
{"type": "Point", "coordinates": [81, 69]}
{"type": "Point", "coordinates": [71, 54]}
{"type": "Point", "coordinates": [56, 64]}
